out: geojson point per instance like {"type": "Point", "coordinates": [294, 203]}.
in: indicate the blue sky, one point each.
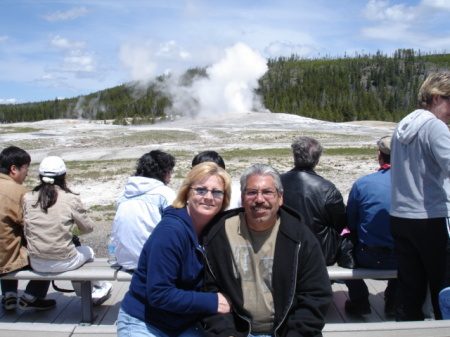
{"type": "Point", "coordinates": [65, 48]}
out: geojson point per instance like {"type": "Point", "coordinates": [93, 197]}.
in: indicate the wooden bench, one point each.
{"type": "Point", "coordinates": [98, 270]}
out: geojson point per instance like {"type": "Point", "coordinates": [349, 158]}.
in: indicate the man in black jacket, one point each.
{"type": "Point", "coordinates": [268, 263]}
{"type": "Point", "coordinates": [319, 201]}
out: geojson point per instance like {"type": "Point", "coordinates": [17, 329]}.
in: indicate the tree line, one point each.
{"type": "Point", "coordinates": [360, 87]}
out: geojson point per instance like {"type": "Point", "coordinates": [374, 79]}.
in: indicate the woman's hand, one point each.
{"type": "Point", "coordinates": [224, 304]}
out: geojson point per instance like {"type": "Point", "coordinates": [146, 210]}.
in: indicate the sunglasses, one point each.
{"type": "Point", "coordinates": [202, 191]}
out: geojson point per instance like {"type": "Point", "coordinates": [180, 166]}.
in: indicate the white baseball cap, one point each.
{"type": "Point", "coordinates": [52, 166]}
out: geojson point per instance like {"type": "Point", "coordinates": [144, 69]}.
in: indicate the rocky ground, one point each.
{"type": "Point", "coordinates": [100, 156]}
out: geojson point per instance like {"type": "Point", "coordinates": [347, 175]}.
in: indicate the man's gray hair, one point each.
{"type": "Point", "coordinates": [261, 170]}
{"type": "Point", "coordinates": [307, 152]}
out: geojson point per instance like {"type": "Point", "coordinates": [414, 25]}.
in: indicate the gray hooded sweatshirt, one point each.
{"type": "Point", "coordinates": [420, 167]}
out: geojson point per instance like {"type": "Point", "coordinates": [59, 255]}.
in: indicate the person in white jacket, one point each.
{"type": "Point", "coordinates": [420, 203]}
{"type": "Point", "coordinates": [141, 206]}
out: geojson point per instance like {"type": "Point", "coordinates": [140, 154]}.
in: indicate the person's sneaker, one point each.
{"type": "Point", "coordinates": [36, 304]}
{"type": "Point", "coordinates": [389, 306]}
{"type": "Point", "coordinates": [101, 294]}
{"type": "Point", "coordinates": [9, 303]}
{"type": "Point", "coordinates": [358, 307]}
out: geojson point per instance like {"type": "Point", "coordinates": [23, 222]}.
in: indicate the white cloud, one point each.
{"type": "Point", "coordinates": [437, 4]}
{"type": "Point", "coordinates": [379, 10]}
{"type": "Point", "coordinates": [397, 31]}
{"type": "Point", "coordinates": [406, 25]}
{"type": "Point", "coordinates": [170, 50]}
{"type": "Point", "coordinates": [194, 10]}
{"type": "Point", "coordinates": [279, 48]}
{"type": "Point", "coordinates": [8, 100]}
{"type": "Point", "coordinates": [145, 60]}
{"type": "Point", "coordinates": [82, 62]}
{"type": "Point", "coordinates": [63, 43]}
{"type": "Point", "coordinates": [3, 38]}
{"type": "Point", "coordinates": [138, 61]}
{"type": "Point", "coordinates": [67, 15]}
{"type": "Point", "coordinates": [75, 57]}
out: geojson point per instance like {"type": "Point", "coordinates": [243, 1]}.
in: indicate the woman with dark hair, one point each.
{"type": "Point", "coordinates": [165, 297]}
{"type": "Point", "coordinates": [206, 156]}
{"type": "Point", "coordinates": [50, 212]}
{"type": "Point", "coordinates": [140, 207]}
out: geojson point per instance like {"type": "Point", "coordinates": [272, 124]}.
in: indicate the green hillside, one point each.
{"type": "Point", "coordinates": [363, 87]}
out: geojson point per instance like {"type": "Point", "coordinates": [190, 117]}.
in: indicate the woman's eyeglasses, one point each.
{"type": "Point", "coordinates": [202, 191]}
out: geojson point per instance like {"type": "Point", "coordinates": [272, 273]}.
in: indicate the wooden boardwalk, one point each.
{"type": "Point", "coordinates": [64, 320]}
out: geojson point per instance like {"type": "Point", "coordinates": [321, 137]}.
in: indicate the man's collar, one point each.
{"type": "Point", "coordinates": [385, 167]}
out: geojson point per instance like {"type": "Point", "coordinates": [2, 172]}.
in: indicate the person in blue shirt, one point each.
{"type": "Point", "coordinates": [368, 209]}
{"type": "Point", "coordinates": [165, 297]}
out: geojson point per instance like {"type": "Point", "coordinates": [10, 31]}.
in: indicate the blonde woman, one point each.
{"type": "Point", "coordinates": [164, 298]}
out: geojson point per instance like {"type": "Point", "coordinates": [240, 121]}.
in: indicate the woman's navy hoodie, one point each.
{"type": "Point", "coordinates": [164, 290]}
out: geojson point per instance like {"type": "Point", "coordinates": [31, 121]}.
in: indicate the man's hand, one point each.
{"type": "Point", "coordinates": [224, 304]}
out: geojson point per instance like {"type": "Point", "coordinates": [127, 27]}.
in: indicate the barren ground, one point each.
{"type": "Point", "coordinates": [101, 156]}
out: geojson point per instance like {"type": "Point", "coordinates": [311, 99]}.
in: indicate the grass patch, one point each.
{"type": "Point", "coordinates": [150, 137]}
{"type": "Point", "coordinates": [100, 170]}
{"type": "Point", "coordinates": [12, 129]}
{"type": "Point", "coordinates": [255, 153]}
{"type": "Point", "coordinates": [34, 144]}
{"type": "Point", "coordinates": [102, 208]}
{"type": "Point", "coordinates": [76, 231]}
{"type": "Point", "coordinates": [350, 151]}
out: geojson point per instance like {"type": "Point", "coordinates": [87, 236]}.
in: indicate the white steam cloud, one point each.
{"type": "Point", "coordinates": [228, 88]}
{"type": "Point", "coordinates": [232, 82]}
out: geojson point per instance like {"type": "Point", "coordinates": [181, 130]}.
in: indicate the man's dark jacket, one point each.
{"type": "Point", "coordinates": [301, 287]}
{"type": "Point", "coordinates": [321, 204]}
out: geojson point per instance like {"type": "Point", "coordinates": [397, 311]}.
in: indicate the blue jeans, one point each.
{"type": "Point", "coordinates": [129, 326]}
{"type": "Point", "coordinates": [444, 302]}
{"type": "Point", "coordinates": [357, 289]}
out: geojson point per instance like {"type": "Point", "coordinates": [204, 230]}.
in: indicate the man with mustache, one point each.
{"type": "Point", "coordinates": [268, 262]}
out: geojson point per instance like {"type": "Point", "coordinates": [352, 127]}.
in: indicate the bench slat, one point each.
{"type": "Point", "coordinates": [339, 273]}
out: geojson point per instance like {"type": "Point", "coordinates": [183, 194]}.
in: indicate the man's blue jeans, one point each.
{"type": "Point", "coordinates": [365, 258]}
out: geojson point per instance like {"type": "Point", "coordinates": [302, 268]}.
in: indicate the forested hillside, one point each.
{"type": "Point", "coordinates": [363, 87]}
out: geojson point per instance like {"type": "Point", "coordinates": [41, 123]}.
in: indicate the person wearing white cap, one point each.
{"type": "Point", "coordinates": [51, 211]}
